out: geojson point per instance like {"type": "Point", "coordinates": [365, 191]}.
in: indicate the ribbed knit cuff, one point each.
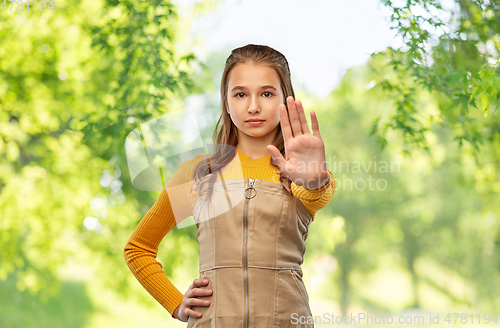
{"type": "Point", "coordinates": [307, 194]}
{"type": "Point", "coordinates": [177, 300]}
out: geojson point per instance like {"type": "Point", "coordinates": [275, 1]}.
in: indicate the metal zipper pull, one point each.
{"type": "Point", "coordinates": [250, 188]}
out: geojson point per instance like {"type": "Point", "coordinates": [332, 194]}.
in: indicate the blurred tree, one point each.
{"type": "Point", "coordinates": [73, 83]}
{"type": "Point", "coordinates": [415, 212]}
{"type": "Point", "coordinates": [142, 75]}
{"type": "Point", "coordinates": [450, 51]}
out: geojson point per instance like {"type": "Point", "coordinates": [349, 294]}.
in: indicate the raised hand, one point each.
{"type": "Point", "coordinates": [305, 162]}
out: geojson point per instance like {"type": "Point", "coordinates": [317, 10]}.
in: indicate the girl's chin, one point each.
{"type": "Point", "coordinates": [259, 134]}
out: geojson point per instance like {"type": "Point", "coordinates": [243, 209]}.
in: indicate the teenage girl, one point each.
{"type": "Point", "coordinates": [271, 170]}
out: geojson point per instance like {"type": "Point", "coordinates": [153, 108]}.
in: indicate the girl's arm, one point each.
{"type": "Point", "coordinates": [141, 250]}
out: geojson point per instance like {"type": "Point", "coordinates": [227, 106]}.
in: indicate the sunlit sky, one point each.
{"type": "Point", "coordinates": [319, 38]}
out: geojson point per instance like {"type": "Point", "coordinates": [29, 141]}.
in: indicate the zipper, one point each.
{"type": "Point", "coordinates": [245, 267]}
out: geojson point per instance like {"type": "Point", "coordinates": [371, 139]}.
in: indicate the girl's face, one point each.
{"type": "Point", "coordinates": [254, 92]}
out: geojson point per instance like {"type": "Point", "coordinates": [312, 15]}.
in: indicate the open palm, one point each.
{"type": "Point", "coordinates": [305, 162]}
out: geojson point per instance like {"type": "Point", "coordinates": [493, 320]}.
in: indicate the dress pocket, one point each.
{"type": "Point", "coordinates": [292, 308]}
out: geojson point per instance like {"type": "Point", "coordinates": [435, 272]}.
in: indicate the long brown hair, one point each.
{"type": "Point", "coordinates": [205, 173]}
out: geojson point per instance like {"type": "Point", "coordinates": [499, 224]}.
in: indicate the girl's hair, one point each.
{"type": "Point", "coordinates": [205, 173]}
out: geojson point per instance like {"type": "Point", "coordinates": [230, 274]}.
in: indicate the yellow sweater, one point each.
{"type": "Point", "coordinates": [141, 250]}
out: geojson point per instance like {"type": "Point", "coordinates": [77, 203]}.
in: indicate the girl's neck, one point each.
{"type": "Point", "coordinates": [255, 147]}
{"type": "Point", "coordinates": [254, 151]}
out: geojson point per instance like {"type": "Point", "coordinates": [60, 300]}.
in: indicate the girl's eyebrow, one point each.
{"type": "Point", "coordinates": [265, 87]}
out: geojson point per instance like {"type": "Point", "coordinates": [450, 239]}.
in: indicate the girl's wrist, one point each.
{"type": "Point", "coordinates": [174, 314]}
{"type": "Point", "coordinates": [324, 184]}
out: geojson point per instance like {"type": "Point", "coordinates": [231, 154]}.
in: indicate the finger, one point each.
{"type": "Point", "coordinates": [200, 282]}
{"type": "Point", "coordinates": [294, 117]}
{"type": "Point", "coordinates": [192, 313]}
{"type": "Point", "coordinates": [302, 117]}
{"type": "Point", "coordinates": [276, 154]}
{"type": "Point", "coordinates": [195, 292]}
{"type": "Point", "coordinates": [197, 302]}
{"type": "Point", "coordinates": [285, 124]}
{"type": "Point", "coordinates": [201, 292]}
{"type": "Point", "coordinates": [315, 124]}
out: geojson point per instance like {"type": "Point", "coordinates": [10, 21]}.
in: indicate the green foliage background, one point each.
{"type": "Point", "coordinates": [75, 81]}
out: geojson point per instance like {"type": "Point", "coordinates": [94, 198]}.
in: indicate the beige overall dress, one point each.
{"type": "Point", "coordinates": [251, 244]}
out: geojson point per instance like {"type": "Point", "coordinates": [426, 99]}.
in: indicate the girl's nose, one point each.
{"type": "Point", "coordinates": [254, 106]}
{"type": "Point", "coordinates": [253, 110]}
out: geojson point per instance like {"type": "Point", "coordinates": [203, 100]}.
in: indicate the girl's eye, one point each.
{"type": "Point", "coordinates": [269, 94]}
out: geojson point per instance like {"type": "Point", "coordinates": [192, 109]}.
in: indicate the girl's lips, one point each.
{"type": "Point", "coordinates": [255, 122]}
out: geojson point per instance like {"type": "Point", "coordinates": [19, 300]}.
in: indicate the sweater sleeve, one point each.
{"type": "Point", "coordinates": [315, 200]}
{"type": "Point", "coordinates": [141, 250]}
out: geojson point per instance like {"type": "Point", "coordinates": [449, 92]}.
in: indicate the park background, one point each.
{"type": "Point", "coordinates": [409, 82]}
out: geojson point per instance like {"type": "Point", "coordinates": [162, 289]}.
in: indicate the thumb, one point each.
{"type": "Point", "coordinates": [276, 154]}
